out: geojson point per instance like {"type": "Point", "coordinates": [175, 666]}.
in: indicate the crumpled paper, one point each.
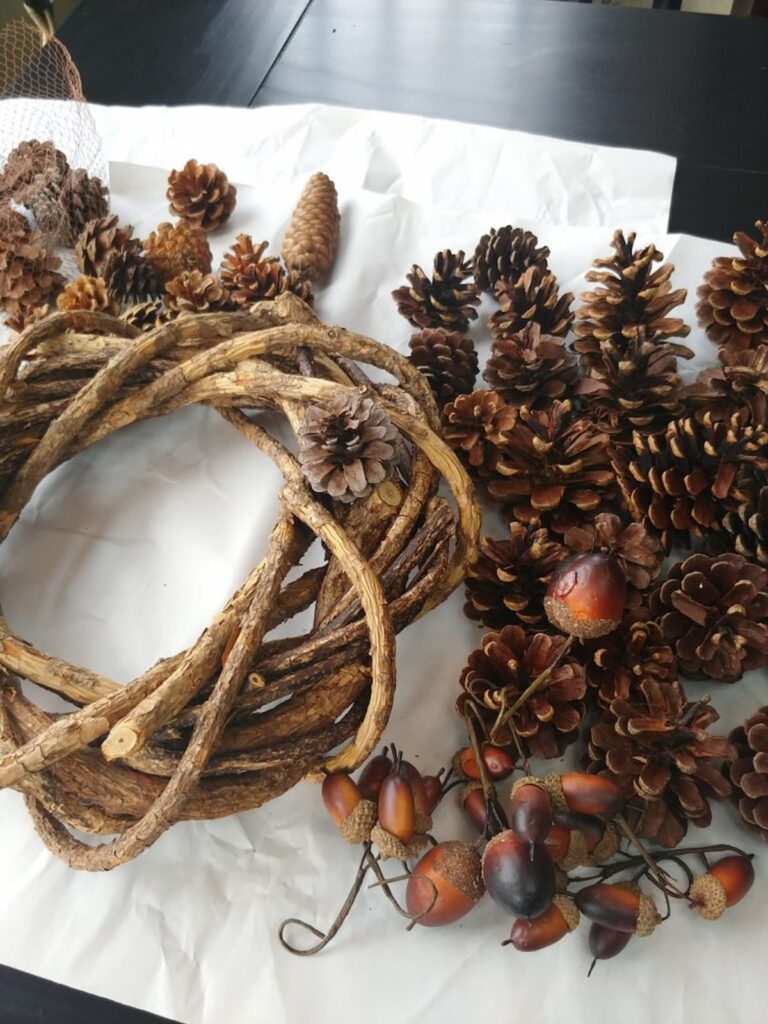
{"type": "Point", "coordinates": [126, 553]}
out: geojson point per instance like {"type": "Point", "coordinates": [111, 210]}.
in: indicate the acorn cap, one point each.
{"type": "Point", "coordinates": [577, 852]}
{"type": "Point", "coordinates": [462, 866]}
{"type": "Point", "coordinates": [561, 616]}
{"type": "Point", "coordinates": [710, 896]}
{"type": "Point", "coordinates": [569, 910]}
{"type": "Point", "coordinates": [422, 823]}
{"type": "Point", "coordinates": [530, 780]}
{"type": "Point", "coordinates": [608, 845]}
{"type": "Point", "coordinates": [356, 827]}
{"type": "Point", "coordinates": [647, 914]}
{"type": "Point", "coordinates": [391, 848]}
{"type": "Point", "coordinates": [554, 787]}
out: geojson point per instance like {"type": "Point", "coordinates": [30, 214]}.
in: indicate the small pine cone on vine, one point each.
{"type": "Point", "coordinates": [505, 254]}
{"type": "Point", "coordinates": [656, 745]}
{"type": "Point", "coordinates": [533, 297]}
{"type": "Point", "coordinates": [447, 360]}
{"type": "Point", "coordinates": [741, 381]}
{"type": "Point", "coordinates": [88, 293]}
{"type": "Point", "coordinates": [748, 771]}
{"type": "Point", "coordinates": [552, 466]}
{"type": "Point", "coordinates": [313, 233]}
{"type": "Point", "coordinates": [201, 193]}
{"type": "Point", "coordinates": [733, 300]}
{"type": "Point", "coordinates": [174, 248]}
{"type": "Point", "coordinates": [447, 299]}
{"type": "Point", "coordinates": [634, 547]}
{"type": "Point", "coordinates": [97, 241]}
{"type": "Point", "coordinates": [616, 664]}
{"type": "Point", "coordinates": [131, 276]}
{"type": "Point", "coordinates": [346, 446]}
{"type": "Point", "coordinates": [194, 292]}
{"type": "Point", "coordinates": [249, 274]}
{"type": "Point", "coordinates": [713, 610]}
{"type": "Point", "coordinates": [497, 676]}
{"type": "Point", "coordinates": [476, 426]}
{"type": "Point", "coordinates": [507, 583]}
{"type": "Point", "coordinates": [531, 368]}
{"type": "Point", "coordinates": [146, 315]}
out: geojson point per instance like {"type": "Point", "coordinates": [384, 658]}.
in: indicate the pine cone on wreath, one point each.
{"type": "Point", "coordinates": [748, 771]}
{"type": "Point", "coordinates": [448, 361]}
{"type": "Point", "coordinates": [97, 241]}
{"type": "Point", "coordinates": [476, 426]}
{"type": "Point", "coordinates": [532, 297]}
{"type": "Point", "coordinates": [146, 315]}
{"type": "Point", "coordinates": [313, 233]}
{"type": "Point", "coordinates": [174, 248]}
{"type": "Point", "coordinates": [733, 300]}
{"type": "Point", "coordinates": [131, 276]}
{"type": "Point", "coordinates": [447, 299]}
{"type": "Point", "coordinates": [505, 254]}
{"type": "Point", "coordinates": [88, 293]}
{"type": "Point", "coordinates": [194, 292]}
{"type": "Point", "coordinates": [201, 193]}
{"type": "Point", "coordinates": [29, 275]}
{"type": "Point", "coordinates": [531, 368]}
{"type": "Point", "coordinates": [249, 275]}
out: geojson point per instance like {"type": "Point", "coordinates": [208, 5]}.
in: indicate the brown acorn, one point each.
{"type": "Point", "coordinates": [498, 763]}
{"type": "Point", "coordinates": [590, 826]}
{"type": "Point", "coordinates": [473, 803]}
{"type": "Point", "coordinates": [420, 798]}
{"type": "Point", "coordinates": [530, 812]}
{"type": "Point", "coordinates": [434, 787]}
{"type": "Point", "coordinates": [373, 774]}
{"type": "Point", "coordinates": [520, 877]}
{"type": "Point", "coordinates": [397, 809]}
{"type": "Point", "coordinates": [560, 918]}
{"type": "Point", "coordinates": [605, 943]}
{"type": "Point", "coordinates": [621, 906]}
{"type": "Point", "coordinates": [591, 794]}
{"type": "Point", "coordinates": [340, 795]}
{"type": "Point", "coordinates": [586, 595]}
{"type": "Point", "coordinates": [726, 882]}
{"type": "Point", "coordinates": [558, 842]}
{"type": "Point", "coordinates": [445, 884]}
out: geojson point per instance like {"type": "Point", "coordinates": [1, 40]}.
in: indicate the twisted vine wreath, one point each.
{"type": "Point", "coordinates": [200, 735]}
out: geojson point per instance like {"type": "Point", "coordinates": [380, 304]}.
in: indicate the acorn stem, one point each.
{"type": "Point", "coordinates": [666, 882]}
{"type": "Point", "coordinates": [495, 819]}
{"type": "Point", "coordinates": [540, 678]}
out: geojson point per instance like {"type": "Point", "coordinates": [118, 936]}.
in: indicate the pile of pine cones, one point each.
{"type": "Point", "coordinates": [596, 445]}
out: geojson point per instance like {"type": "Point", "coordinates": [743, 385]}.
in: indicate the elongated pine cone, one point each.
{"type": "Point", "coordinates": [447, 299]}
{"type": "Point", "coordinates": [249, 274]}
{"type": "Point", "coordinates": [505, 254]}
{"type": "Point", "coordinates": [748, 771]}
{"type": "Point", "coordinates": [88, 293]}
{"type": "Point", "coordinates": [131, 276]}
{"type": "Point", "coordinates": [746, 526]}
{"type": "Point", "coordinates": [733, 300]}
{"type": "Point", "coordinates": [448, 361]}
{"type": "Point", "coordinates": [476, 427]}
{"type": "Point", "coordinates": [502, 669]}
{"type": "Point", "coordinates": [174, 248]}
{"type": "Point", "coordinates": [29, 274]}
{"type": "Point", "coordinates": [146, 315]}
{"type": "Point", "coordinates": [714, 611]}
{"type": "Point", "coordinates": [345, 446]}
{"type": "Point", "coordinates": [313, 233]}
{"type": "Point", "coordinates": [619, 662]}
{"type": "Point", "coordinates": [97, 241]}
{"type": "Point", "coordinates": [552, 466]}
{"type": "Point", "coordinates": [507, 583]}
{"type": "Point", "coordinates": [531, 368]}
{"type": "Point", "coordinates": [657, 747]}
{"type": "Point", "coordinates": [533, 297]}
{"type": "Point", "coordinates": [201, 193]}
{"type": "Point", "coordinates": [194, 292]}
{"type": "Point", "coordinates": [636, 549]}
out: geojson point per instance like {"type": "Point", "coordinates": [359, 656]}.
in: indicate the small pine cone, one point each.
{"type": "Point", "coordinates": [741, 381]}
{"type": "Point", "coordinates": [533, 297]}
{"type": "Point", "coordinates": [130, 275]}
{"type": "Point", "coordinates": [636, 549]}
{"type": "Point", "coordinates": [346, 446]}
{"type": "Point", "coordinates": [531, 368]}
{"type": "Point", "coordinates": [146, 315]}
{"type": "Point", "coordinates": [86, 198]}
{"type": "Point", "coordinates": [447, 299]}
{"type": "Point", "coordinates": [733, 300]}
{"type": "Point", "coordinates": [174, 248]}
{"type": "Point", "coordinates": [313, 233]}
{"type": "Point", "coordinates": [476, 425]}
{"type": "Point", "coordinates": [295, 282]}
{"type": "Point", "coordinates": [30, 166]}
{"type": "Point", "coordinates": [193, 292]}
{"type": "Point", "coordinates": [26, 317]}
{"type": "Point", "coordinates": [250, 276]}
{"type": "Point", "coordinates": [507, 583]}
{"type": "Point", "coordinates": [88, 293]}
{"type": "Point", "coordinates": [29, 275]}
{"type": "Point", "coordinates": [618, 663]}
{"type": "Point", "coordinates": [14, 228]}
{"type": "Point", "coordinates": [709, 898]}
{"type": "Point", "coordinates": [357, 826]}
{"type": "Point", "coordinates": [502, 670]}
{"type": "Point", "coordinates": [201, 193]}
{"type": "Point", "coordinates": [448, 361]}
{"type": "Point", "coordinates": [505, 254]}
{"type": "Point", "coordinates": [746, 526]}
{"type": "Point", "coordinates": [97, 241]}
{"type": "Point", "coordinates": [748, 771]}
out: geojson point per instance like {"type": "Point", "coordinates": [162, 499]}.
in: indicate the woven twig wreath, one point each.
{"type": "Point", "coordinates": [188, 738]}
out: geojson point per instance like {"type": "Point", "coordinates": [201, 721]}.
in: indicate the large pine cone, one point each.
{"type": "Point", "coordinates": [680, 483]}
{"type": "Point", "coordinates": [313, 233]}
{"type": "Point", "coordinates": [29, 167]}
{"type": "Point", "coordinates": [131, 276]}
{"type": "Point", "coordinates": [507, 583]}
{"type": "Point", "coordinates": [174, 248]}
{"type": "Point", "coordinates": [63, 208]}
{"type": "Point", "coordinates": [505, 254]}
{"type": "Point", "coordinates": [656, 745]}
{"type": "Point", "coordinates": [193, 292]}
{"type": "Point", "coordinates": [250, 275]}
{"type": "Point", "coordinates": [636, 549]}
{"type": "Point", "coordinates": [733, 300]}
{"type": "Point", "coordinates": [201, 193]}
{"type": "Point", "coordinates": [447, 299]}
{"type": "Point", "coordinates": [554, 467]}
{"type": "Point", "coordinates": [29, 275]}
{"type": "Point", "coordinates": [748, 771]}
{"type": "Point", "coordinates": [97, 241]}
{"type": "Point", "coordinates": [476, 426]}
{"type": "Point", "coordinates": [534, 297]}
{"type": "Point", "coordinates": [499, 673]}
{"type": "Point", "coordinates": [620, 661]}
{"type": "Point", "coordinates": [741, 381]}
{"type": "Point", "coordinates": [448, 361]}
{"type": "Point", "coordinates": [531, 368]}
{"type": "Point", "coordinates": [345, 446]}
{"type": "Point", "coordinates": [714, 612]}
{"type": "Point", "coordinates": [88, 293]}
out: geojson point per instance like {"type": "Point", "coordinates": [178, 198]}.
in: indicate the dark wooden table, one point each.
{"type": "Point", "coordinates": [691, 86]}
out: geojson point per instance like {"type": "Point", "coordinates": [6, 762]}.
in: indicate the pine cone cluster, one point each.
{"type": "Point", "coordinates": [447, 360]}
{"type": "Point", "coordinates": [313, 233]}
{"type": "Point", "coordinates": [97, 241]}
{"type": "Point", "coordinates": [201, 193]}
{"type": "Point", "coordinates": [29, 274]}
{"type": "Point", "coordinates": [476, 426]}
{"type": "Point", "coordinates": [195, 292]}
{"type": "Point", "coordinates": [174, 248]}
{"type": "Point", "coordinates": [733, 300]}
{"type": "Point", "coordinates": [748, 770]}
{"type": "Point", "coordinates": [505, 254]}
{"type": "Point", "coordinates": [88, 293]}
{"type": "Point", "coordinates": [447, 299]}
{"type": "Point", "coordinates": [534, 297]}
{"type": "Point", "coordinates": [531, 368]}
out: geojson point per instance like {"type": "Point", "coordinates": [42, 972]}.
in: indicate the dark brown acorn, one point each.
{"type": "Point", "coordinates": [591, 827]}
{"type": "Point", "coordinates": [591, 794]}
{"type": "Point", "coordinates": [340, 796]}
{"type": "Point", "coordinates": [433, 784]}
{"type": "Point", "coordinates": [605, 943]}
{"type": "Point", "coordinates": [558, 841]}
{"type": "Point", "coordinates": [621, 906]}
{"type": "Point", "coordinates": [497, 761]}
{"type": "Point", "coordinates": [372, 776]}
{"type": "Point", "coordinates": [419, 790]}
{"type": "Point", "coordinates": [396, 806]}
{"type": "Point", "coordinates": [586, 595]}
{"type": "Point", "coordinates": [548, 928]}
{"type": "Point", "coordinates": [445, 884]}
{"type": "Point", "coordinates": [472, 801]}
{"type": "Point", "coordinates": [530, 812]}
{"type": "Point", "coordinates": [520, 877]}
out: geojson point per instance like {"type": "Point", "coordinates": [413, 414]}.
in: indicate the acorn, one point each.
{"type": "Point", "coordinates": [354, 815]}
{"type": "Point", "coordinates": [465, 763]}
{"type": "Point", "coordinates": [433, 785]}
{"type": "Point", "coordinates": [558, 841]}
{"type": "Point", "coordinates": [473, 803]}
{"type": "Point", "coordinates": [445, 884]}
{"type": "Point", "coordinates": [530, 811]}
{"type": "Point", "coordinates": [372, 776]}
{"type": "Point", "coordinates": [726, 882]}
{"type": "Point", "coordinates": [621, 906]}
{"type": "Point", "coordinates": [586, 595]}
{"type": "Point", "coordinates": [591, 794]}
{"type": "Point", "coordinates": [519, 876]}
{"type": "Point", "coordinates": [560, 918]}
{"type": "Point", "coordinates": [605, 943]}
{"type": "Point", "coordinates": [498, 762]}
{"type": "Point", "coordinates": [590, 826]}
{"type": "Point", "coordinates": [419, 790]}
{"type": "Point", "coordinates": [397, 808]}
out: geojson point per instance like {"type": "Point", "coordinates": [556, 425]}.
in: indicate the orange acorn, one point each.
{"type": "Point", "coordinates": [397, 810]}
{"type": "Point", "coordinates": [420, 797]}
{"type": "Point", "coordinates": [445, 884]}
{"type": "Point", "coordinates": [726, 882]}
{"type": "Point", "coordinates": [557, 841]}
{"type": "Point", "coordinates": [548, 928]}
{"type": "Point", "coordinates": [340, 796]}
{"type": "Point", "coordinates": [591, 794]}
{"type": "Point", "coordinates": [465, 763]}
{"type": "Point", "coordinates": [472, 801]}
{"type": "Point", "coordinates": [433, 785]}
{"type": "Point", "coordinates": [586, 595]}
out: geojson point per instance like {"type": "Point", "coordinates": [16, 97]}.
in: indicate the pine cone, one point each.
{"type": "Point", "coordinates": [26, 316]}
{"type": "Point", "coordinates": [502, 669]}
{"type": "Point", "coordinates": [294, 282]}
{"type": "Point", "coordinates": [476, 426]}
{"type": "Point", "coordinates": [532, 297]}
{"type": "Point", "coordinates": [447, 299]}
{"type": "Point", "coordinates": [657, 747]}
{"type": "Point", "coordinates": [632, 300]}
{"type": "Point", "coordinates": [29, 167]}
{"type": "Point", "coordinates": [531, 368]}
{"type": "Point", "coordinates": [28, 274]}
{"type": "Point", "coordinates": [97, 241]}
{"type": "Point", "coordinates": [679, 483]}
{"type": "Point", "coordinates": [554, 467]}
{"type": "Point", "coordinates": [746, 526]}
{"type": "Point", "coordinates": [448, 361]}
{"type": "Point", "coordinates": [346, 446]}
{"type": "Point", "coordinates": [174, 248]}
{"type": "Point", "coordinates": [250, 276]}
{"type": "Point", "coordinates": [130, 275]}
{"type": "Point", "coordinates": [507, 583]}
{"type": "Point", "coordinates": [636, 549]}
{"type": "Point", "coordinates": [193, 292]}
{"type": "Point", "coordinates": [733, 300]}
{"type": "Point", "coordinates": [201, 193]}
{"type": "Point", "coordinates": [741, 381]}
{"type": "Point", "coordinates": [505, 254]}
{"type": "Point", "coordinates": [63, 208]}
{"type": "Point", "coordinates": [618, 663]}
{"type": "Point", "coordinates": [748, 771]}
{"type": "Point", "coordinates": [313, 233]}
{"type": "Point", "coordinates": [88, 293]}
{"type": "Point", "coordinates": [146, 315]}
{"type": "Point", "coordinates": [714, 612]}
